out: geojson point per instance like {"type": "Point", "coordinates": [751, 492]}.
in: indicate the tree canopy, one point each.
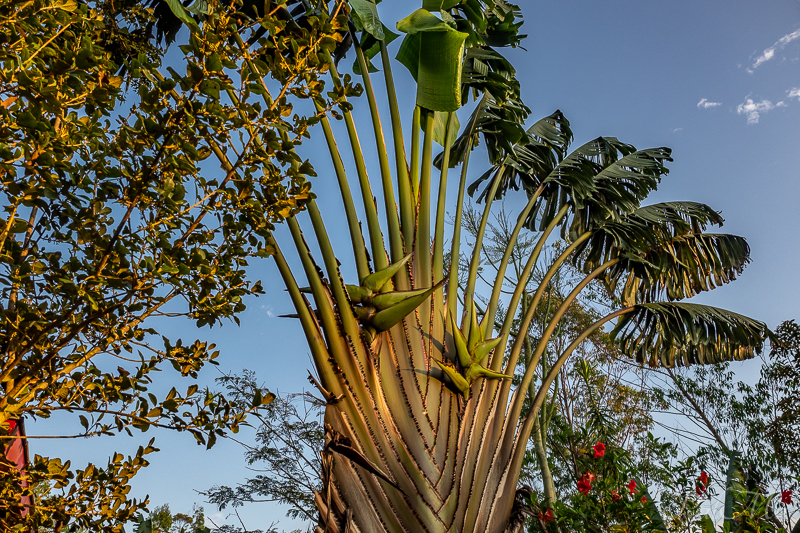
{"type": "Point", "coordinates": [135, 186]}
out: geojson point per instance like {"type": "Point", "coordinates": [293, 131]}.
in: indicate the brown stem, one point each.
{"type": "Point", "coordinates": [699, 411]}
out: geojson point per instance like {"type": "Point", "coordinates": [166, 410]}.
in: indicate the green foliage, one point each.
{"type": "Point", "coordinates": [753, 422]}
{"type": "Point", "coordinates": [133, 191]}
{"type": "Point", "coordinates": [162, 520]}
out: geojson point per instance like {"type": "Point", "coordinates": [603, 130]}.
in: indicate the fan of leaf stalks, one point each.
{"type": "Point", "coordinates": [425, 431]}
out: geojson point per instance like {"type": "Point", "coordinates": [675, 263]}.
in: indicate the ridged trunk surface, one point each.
{"type": "Point", "coordinates": [442, 452]}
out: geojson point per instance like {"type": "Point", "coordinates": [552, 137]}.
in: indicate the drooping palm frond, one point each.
{"type": "Point", "coordinates": [682, 334]}
{"type": "Point", "coordinates": [604, 180]}
{"type": "Point", "coordinates": [680, 268]}
{"type": "Point", "coordinates": [662, 251]}
{"type": "Point", "coordinates": [645, 228]}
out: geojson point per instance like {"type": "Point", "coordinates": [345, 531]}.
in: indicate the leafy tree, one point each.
{"type": "Point", "coordinates": [162, 520]}
{"type": "Point", "coordinates": [754, 423]}
{"type": "Point", "coordinates": [422, 419]}
{"type": "Point", "coordinates": [134, 191]}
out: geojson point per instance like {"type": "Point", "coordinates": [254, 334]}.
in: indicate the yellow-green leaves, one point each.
{"type": "Point", "coordinates": [375, 281]}
{"type": "Point", "coordinates": [144, 200]}
{"type": "Point", "coordinates": [458, 380]}
{"type": "Point", "coordinates": [383, 320]}
{"type": "Point", "coordinates": [389, 299]}
{"type": "Point", "coordinates": [471, 353]}
{"type": "Point", "coordinates": [378, 310]}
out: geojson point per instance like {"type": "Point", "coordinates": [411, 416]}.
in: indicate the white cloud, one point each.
{"type": "Point", "coordinates": [794, 93]}
{"type": "Point", "coordinates": [753, 109]}
{"type": "Point", "coordinates": [676, 130]}
{"type": "Point", "coordinates": [781, 104]}
{"type": "Point", "coordinates": [705, 104]}
{"type": "Point", "coordinates": [769, 53]}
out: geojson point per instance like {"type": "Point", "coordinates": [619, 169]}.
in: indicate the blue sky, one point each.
{"type": "Point", "coordinates": [717, 81]}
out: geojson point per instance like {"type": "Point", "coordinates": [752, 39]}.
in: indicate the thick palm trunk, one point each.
{"type": "Point", "coordinates": [436, 449]}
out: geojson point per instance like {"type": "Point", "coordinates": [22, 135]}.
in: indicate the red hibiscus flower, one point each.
{"type": "Point", "coordinates": [599, 450]}
{"type": "Point", "coordinates": [615, 495]}
{"type": "Point", "coordinates": [786, 497]}
{"type": "Point", "coordinates": [546, 516]}
{"type": "Point", "coordinates": [631, 486]}
{"type": "Point", "coordinates": [702, 484]}
{"type": "Point", "coordinates": [585, 483]}
{"type": "Point", "coordinates": [644, 499]}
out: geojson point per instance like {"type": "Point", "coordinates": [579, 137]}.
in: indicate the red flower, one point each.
{"type": "Point", "coordinates": [546, 516]}
{"type": "Point", "coordinates": [786, 497]}
{"type": "Point", "coordinates": [585, 483]}
{"type": "Point", "coordinates": [644, 499]}
{"type": "Point", "coordinates": [615, 495]}
{"type": "Point", "coordinates": [599, 450]}
{"type": "Point", "coordinates": [702, 484]}
{"type": "Point", "coordinates": [631, 486]}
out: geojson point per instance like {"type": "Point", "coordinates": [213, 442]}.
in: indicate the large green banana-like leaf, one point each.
{"type": "Point", "coordinates": [365, 16]}
{"type": "Point", "coordinates": [682, 334]}
{"type": "Point", "coordinates": [439, 60]}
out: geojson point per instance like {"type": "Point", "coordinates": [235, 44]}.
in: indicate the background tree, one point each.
{"type": "Point", "coordinates": [114, 215]}
{"type": "Point", "coordinates": [754, 423]}
{"type": "Point", "coordinates": [288, 439]}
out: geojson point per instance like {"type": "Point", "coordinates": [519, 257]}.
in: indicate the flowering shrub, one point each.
{"type": "Point", "coordinates": [608, 495]}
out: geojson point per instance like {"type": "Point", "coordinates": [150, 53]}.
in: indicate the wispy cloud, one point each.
{"type": "Point", "coordinates": [769, 53]}
{"type": "Point", "coordinates": [794, 93]}
{"type": "Point", "coordinates": [753, 109]}
{"type": "Point", "coordinates": [705, 104]}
